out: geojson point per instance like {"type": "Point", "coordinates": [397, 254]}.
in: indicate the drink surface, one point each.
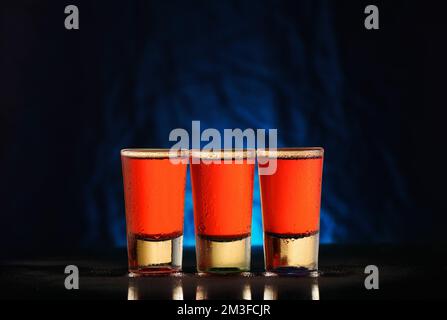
{"type": "Point", "coordinates": [223, 196]}
{"type": "Point", "coordinates": [154, 195]}
{"type": "Point", "coordinates": [291, 197]}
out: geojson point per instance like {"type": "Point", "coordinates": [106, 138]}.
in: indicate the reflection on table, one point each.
{"type": "Point", "coordinates": [277, 290]}
{"type": "Point", "coordinates": [152, 289]}
{"type": "Point", "coordinates": [214, 287]}
{"type": "Point", "coordinates": [204, 292]}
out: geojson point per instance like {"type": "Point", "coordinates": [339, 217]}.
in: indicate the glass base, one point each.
{"type": "Point", "coordinates": [291, 254]}
{"type": "Point", "coordinates": [152, 257]}
{"type": "Point", "coordinates": [223, 255]}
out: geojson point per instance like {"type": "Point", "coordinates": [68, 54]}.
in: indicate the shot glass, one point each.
{"type": "Point", "coordinates": [154, 188]}
{"type": "Point", "coordinates": [291, 209]}
{"type": "Point", "coordinates": [222, 187]}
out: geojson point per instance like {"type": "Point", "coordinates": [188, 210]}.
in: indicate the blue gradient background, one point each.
{"type": "Point", "coordinates": [138, 69]}
{"type": "Point", "coordinates": [229, 65]}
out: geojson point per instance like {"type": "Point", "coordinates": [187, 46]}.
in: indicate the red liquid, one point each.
{"type": "Point", "coordinates": [223, 196]}
{"type": "Point", "coordinates": [154, 191]}
{"type": "Point", "coordinates": [291, 197]}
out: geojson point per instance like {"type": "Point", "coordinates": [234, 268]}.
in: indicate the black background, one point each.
{"type": "Point", "coordinates": [70, 100]}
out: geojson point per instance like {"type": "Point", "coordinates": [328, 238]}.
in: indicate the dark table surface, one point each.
{"type": "Point", "coordinates": [409, 272]}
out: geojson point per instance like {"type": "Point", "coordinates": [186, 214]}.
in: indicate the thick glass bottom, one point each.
{"type": "Point", "coordinates": [153, 257]}
{"type": "Point", "coordinates": [291, 254]}
{"type": "Point", "coordinates": [223, 255]}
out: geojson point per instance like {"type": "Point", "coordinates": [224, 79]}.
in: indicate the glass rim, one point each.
{"type": "Point", "coordinates": [291, 153]}
{"type": "Point", "coordinates": [223, 154]}
{"type": "Point", "coordinates": [153, 153]}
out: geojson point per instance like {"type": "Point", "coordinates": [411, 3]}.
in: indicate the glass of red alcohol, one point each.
{"type": "Point", "coordinates": [291, 209]}
{"type": "Point", "coordinates": [222, 188]}
{"type": "Point", "coordinates": [154, 188]}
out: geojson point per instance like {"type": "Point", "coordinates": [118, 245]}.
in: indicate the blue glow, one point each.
{"type": "Point", "coordinates": [224, 78]}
